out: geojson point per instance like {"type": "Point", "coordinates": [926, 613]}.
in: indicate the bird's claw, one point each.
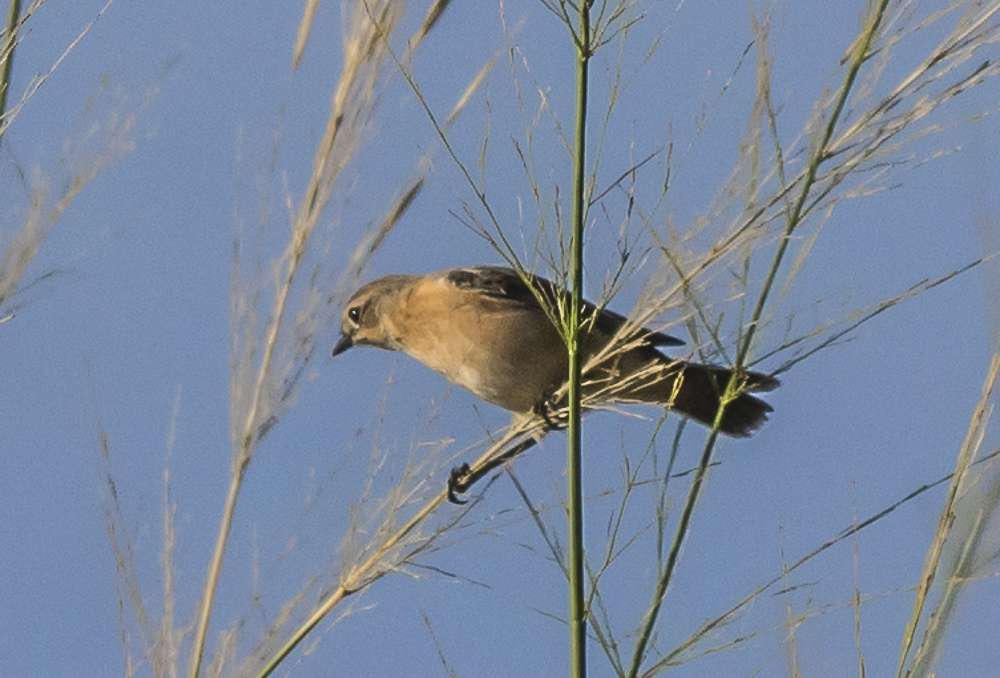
{"type": "Point", "coordinates": [552, 414]}
{"type": "Point", "coordinates": [458, 483]}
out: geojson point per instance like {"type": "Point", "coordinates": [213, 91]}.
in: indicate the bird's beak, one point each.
{"type": "Point", "coordinates": [346, 341]}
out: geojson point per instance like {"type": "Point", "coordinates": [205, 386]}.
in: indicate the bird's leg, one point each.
{"type": "Point", "coordinates": [464, 477]}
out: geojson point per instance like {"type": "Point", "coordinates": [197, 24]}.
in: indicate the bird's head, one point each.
{"type": "Point", "coordinates": [365, 321]}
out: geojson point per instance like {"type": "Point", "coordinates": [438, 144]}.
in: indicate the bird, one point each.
{"type": "Point", "coordinates": [490, 330]}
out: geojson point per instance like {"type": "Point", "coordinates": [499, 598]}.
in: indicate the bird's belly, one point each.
{"type": "Point", "coordinates": [511, 359]}
{"type": "Point", "coordinates": [499, 379]}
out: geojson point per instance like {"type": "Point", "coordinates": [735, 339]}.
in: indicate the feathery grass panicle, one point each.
{"type": "Point", "coordinates": [15, 26]}
{"type": "Point", "coordinates": [102, 135]}
{"type": "Point", "coordinates": [8, 45]}
{"type": "Point", "coordinates": [971, 562]}
{"type": "Point", "coordinates": [267, 367]}
{"type": "Point", "coordinates": [396, 541]}
{"type": "Point", "coordinates": [268, 364]}
{"type": "Point", "coordinates": [146, 638]}
{"type": "Point", "coordinates": [98, 144]}
{"type": "Point", "coordinates": [929, 647]}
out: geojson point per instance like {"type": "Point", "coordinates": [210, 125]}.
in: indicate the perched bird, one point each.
{"type": "Point", "coordinates": [485, 329]}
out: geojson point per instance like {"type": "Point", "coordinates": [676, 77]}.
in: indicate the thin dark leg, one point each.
{"type": "Point", "coordinates": [462, 477]}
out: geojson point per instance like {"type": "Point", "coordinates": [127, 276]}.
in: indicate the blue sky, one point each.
{"type": "Point", "coordinates": [132, 338]}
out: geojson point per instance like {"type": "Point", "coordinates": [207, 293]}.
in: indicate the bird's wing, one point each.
{"type": "Point", "coordinates": [506, 285]}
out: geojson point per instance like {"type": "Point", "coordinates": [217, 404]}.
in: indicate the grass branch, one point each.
{"type": "Point", "coordinates": [574, 443]}
{"type": "Point", "coordinates": [794, 218]}
{"type": "Point", "coordinates": [7, 57]}
{"type": "Point", "coordinates": [256, 413]}
{"type": "Point", "coordinates": [946, 519]}
{"type": "Point", "coordinates": [384, 556]}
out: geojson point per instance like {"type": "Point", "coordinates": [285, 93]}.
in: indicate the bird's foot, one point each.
{"type": "Point", "coordinates": [459, 481]}
{"type": "Point", "coordinates": [464, 477]}
{"type": "Point", "coordinates": [552, 412]}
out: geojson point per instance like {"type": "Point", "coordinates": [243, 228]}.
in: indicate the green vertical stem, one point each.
{"type": "Point", "coordinates": [7, 56]}
{"type": "Point", "coordinates": [577, 598]}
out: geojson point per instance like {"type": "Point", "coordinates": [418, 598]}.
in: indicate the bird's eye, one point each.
{"type": "Point", "coordinates": [354, 313]}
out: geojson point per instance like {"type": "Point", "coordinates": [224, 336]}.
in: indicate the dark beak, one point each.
{"type": "Point", "coordinates": [346, 341]}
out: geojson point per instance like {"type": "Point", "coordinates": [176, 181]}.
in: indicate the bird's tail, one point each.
{"type": "Point", "coordinates": [695, 391]}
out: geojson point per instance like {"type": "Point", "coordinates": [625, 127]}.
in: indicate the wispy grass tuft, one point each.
{"type": "Point", "coordinates": [15, 26]}
{"type": "Point", "coordinates": [8, 43]}
{"type": "Point", "coordinates": [146, 640]}
{"type": "Point", "coordinates": [267, 366]}
{"type": "Point", "coordinates": [271, 351]}
{"type": "Point", "coordinates": [101, 146]}
{"type": "Point", "coordinates": [395, 542]}
{"type": "Point", "coordinates": [929, 647]}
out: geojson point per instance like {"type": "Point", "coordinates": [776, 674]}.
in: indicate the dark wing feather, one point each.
{"type": "Point", "coordinates": [503, 283]}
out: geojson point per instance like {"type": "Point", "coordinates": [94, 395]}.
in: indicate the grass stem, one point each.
{"type": "Point", "coordinates": [574, 466]}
